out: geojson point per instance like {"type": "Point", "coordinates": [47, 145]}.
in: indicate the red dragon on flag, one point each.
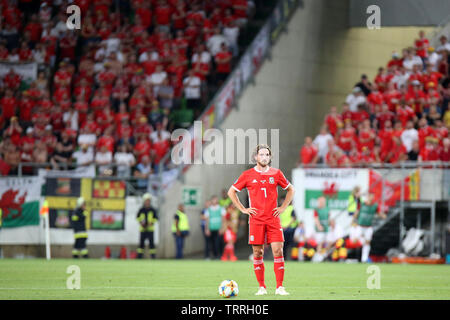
{"type": "Point", "coordinates": [8, 202]}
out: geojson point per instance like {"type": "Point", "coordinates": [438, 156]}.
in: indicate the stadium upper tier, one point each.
{"type": "Point", "coordinates": [112, 91]}
{"type": "Point", "coordinates": [403, 115]}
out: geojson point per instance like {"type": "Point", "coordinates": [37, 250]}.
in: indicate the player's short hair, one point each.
{"type": "Point", "coordinates": [259, 147]}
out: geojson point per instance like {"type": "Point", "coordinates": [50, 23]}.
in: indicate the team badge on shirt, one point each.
{"type": "Point", "coordinates": [271, 180]}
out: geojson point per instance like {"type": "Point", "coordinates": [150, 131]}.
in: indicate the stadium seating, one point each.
{"type": "Point", "coordinates": [379, 122]}
{"type": "Point", "coordinates": [135, 71]}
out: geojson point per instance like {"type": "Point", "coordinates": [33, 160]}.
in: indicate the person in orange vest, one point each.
{"type": "Point", "coordinates": [229, 237]}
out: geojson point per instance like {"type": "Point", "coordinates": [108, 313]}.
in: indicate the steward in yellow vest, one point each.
{"type": "Point", "coordinates": [289, 222]}
{"type": "Point", "coordinates": [180, 230]}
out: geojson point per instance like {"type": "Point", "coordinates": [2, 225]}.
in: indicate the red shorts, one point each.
{"type": "Point", "coordinates": [260, 234]}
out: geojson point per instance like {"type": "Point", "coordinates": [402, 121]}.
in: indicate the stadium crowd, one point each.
{"type": "Point", "coordinates": [111, 92]}
{"type": "Point", "coordinates": [403, 115]}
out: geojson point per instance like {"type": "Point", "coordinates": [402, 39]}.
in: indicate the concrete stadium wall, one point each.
{"type": "Point", "coordinates": [401, 13]}
{"type": "Point", "coordinates": [313, 65]}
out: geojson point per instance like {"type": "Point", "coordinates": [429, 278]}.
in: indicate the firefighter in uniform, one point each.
{"type": "Point", "coordinates": [147, 217]}
{"type": "Point", "coordinates": [289, 222]}
{"type": "Point", "coordinates": [79, 219]}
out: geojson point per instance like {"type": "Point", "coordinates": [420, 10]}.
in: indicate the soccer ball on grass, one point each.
{"type": "Point", "coordinates": [228, 289]}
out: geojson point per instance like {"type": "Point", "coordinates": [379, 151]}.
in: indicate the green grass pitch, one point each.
{"type": "Point", "coordinates": [198, 280]}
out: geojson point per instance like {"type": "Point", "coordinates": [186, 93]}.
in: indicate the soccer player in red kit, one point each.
{"type": "Point", "coordinates": [261, 182]}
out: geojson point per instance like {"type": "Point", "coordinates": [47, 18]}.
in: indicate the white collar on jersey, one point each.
{"type": "Point", "coordinates": [268, 168]}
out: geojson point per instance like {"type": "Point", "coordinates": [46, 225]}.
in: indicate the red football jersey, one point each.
{"type": "Point", "coordinates": [262, 192]}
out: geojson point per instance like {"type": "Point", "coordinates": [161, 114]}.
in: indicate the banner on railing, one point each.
{"type": "Point", "coordinates": [105, 201]}
{"type": "Point", "coordinates": [79, 172]}
{"type": "Point", "coordinates": [334, 184]}
{"type": "Point", "coordinates": [27, 71]}
{"type": "Point", "coordinates": [19, 201]}
{"type": "Point", "coordinates": [280, 16]}
{"type": "Point", "coordinates": [387, 193]}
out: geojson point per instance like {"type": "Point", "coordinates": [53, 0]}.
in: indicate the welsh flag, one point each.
{"type": "Point", "coordinates": [19, 201]}
{"type": "Point", "coordinates": [393, 190]}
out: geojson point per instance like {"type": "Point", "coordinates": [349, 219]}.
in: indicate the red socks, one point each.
{"type": "Point", "coordinates": [258, 267]}
{"type": "Point", "coordinates": [278, 266]}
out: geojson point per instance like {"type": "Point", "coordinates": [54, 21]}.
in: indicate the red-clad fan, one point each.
{"type": "Point", "coordinates": [430, 77]}
{"type": "Point", "coordinates": [444, 151]}
{"type": "Point", "coordinates": [90, 124]}
{"type": "Point", "coordinates": [49, 138]}
{"type": "Point", "coordinates": [4, 53]}
{"type": "Point", "coordinates": [346, 113]}
{"type": "Point", "coordinates": [421, 45]}
{"type": "Point", "coordinates": [13, 131]}
{"type": "Point", "coordinates": [26, 106]}
{"type": "Point", "coordinates": [341, 159]}
{"type": "Point", "coordinates": [360, 115]}
{"type": "Point", "coordinates": [308, 152]}
{"type": "Point", "coordinates": [384, 115]}
{"type": "Point", "coordinates": [143, 10]}
{"type": "Point", "coordinates": [25, 54]}
{"type": "Point", "coordinates": [27, 141]}
{"type": "Point", "coordinates": [240, 8]}
{"type": "Point", "coordinates": [191, 33]}
{"type": "Point", "coordinates": [223, 62]}
{"type": "Point", "coordinates": [415, 97]}
{"type": "Point", "coordinates": [181, 42]}
{"type": "Point", "coordinates": [216, 16]}
{"type": "Point", "coordinates": [432, 97]}
{"type": "Point", "coordinates": [8, 105]}
{"type": "Point", "coordinates": [125, 131]}
{"type": "Point", "coordinates": [163, 13]}
{"type": "Point", "coordinates": [56, 118]}
{"type": "Point", "coordinates": [67, 44]}
{"type": "Point", "coordinates": [375, 97]}
{"type": "Point", "coordinates": [355, 156]}
{"type": "Point", "coordinates": [333, 121]}
{"type": "Point", "coordinates": [12, 80]}
{"type": "Point", "coordinates": [142, 128]}
{"type": "Point", "coordinates": [368, 156]}
{"type": "Point", "coordinates": [430, 152]}
{"type": "Point", "coordinates": [179, 16]}
{"type": "Point", "coordinates": [161, 143]}
{"type": "Point", "coordinates": [415, 74]}
{"type": "Point", "coordinates": [107, 139]}
{"type": "Point", "coordinates": [396, 61]}
{"type": "Point", "coordinates": [346, 137]}
{"type": "Point", "coordinates": [106, 78]}
{"type": "Point", "coordinates": [99, 101]}
{"type": "Point", "coordinates": [105, 117]}
{"type": "Point", "coordinates": [34, 27]}
{"type": "Point", "coordinates": [391, 96]}
{"type": "Point", "coordinates": [424, 131]}
{"type": "Point", "coordinates": [83, 90]}
{"type": "Point", "coordinates": [62, 77]}
{"type": "Point", "coordinates": [381, 79]}
{"type": "Point", "coordinates": [440, 130]}
{"type": "Point", "coordinates": [385, 135]}
{"type": "Point", "coordinates": [366, 136]}
{"type": "Point", "coordinates": [398, 129]}
{"type": "Point", "coordinates": [196, 14]}
{"type": "Point", "coordinates": [405, 113]}
{"type": "Point", "coordinates": [397, 153]}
